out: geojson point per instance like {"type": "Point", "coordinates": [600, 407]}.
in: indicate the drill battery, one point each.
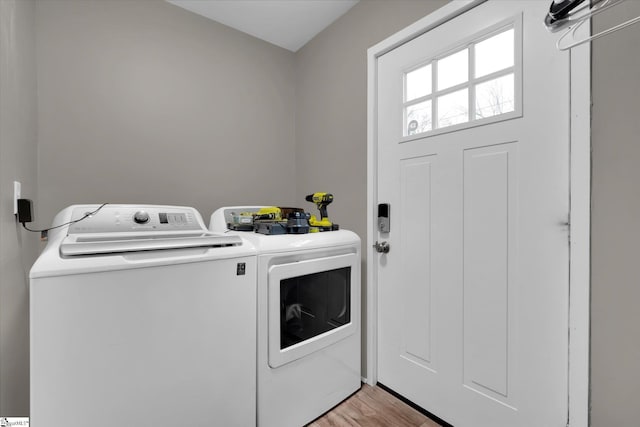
{"type": "Point", "coordinates": [270, 227]}
{"type": "Point", "coordinates": [241, 222]}
{"type": "Point", "coordinates": [298, 223]}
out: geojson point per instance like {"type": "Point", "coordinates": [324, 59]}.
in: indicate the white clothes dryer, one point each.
{"type": "Point", "coordinates": [308, 320]}
{"type": "Point", "coordinates": [141, 316]}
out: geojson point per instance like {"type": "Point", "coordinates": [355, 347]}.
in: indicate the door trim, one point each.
{"type": "Point", "coordinates": [580, 205]}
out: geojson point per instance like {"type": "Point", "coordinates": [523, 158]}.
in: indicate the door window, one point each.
{"type": "Point", "coordinates": [468, 85]}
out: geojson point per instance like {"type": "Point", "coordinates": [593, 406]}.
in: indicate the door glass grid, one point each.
{"type": "Point", "coordinates": [495, 97]}
{"type": "Point", "coordinates": [419, 118]}
{"type": "Point", "coordinates": [471, 84]}
{"type": "Point", "coordinates": [418, 83]}
{"type": "Point", "coordinates": [453, 69]}
{"type": "Point", "coordinates": [453, 108]}
{"type": "Point", "coordinates": [495, 53]}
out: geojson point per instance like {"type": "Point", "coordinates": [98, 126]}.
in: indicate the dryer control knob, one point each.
{"type": "Point", "coordinates": [141, 217]}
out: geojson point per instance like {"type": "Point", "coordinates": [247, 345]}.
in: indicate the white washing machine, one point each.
{"type": "Point", "coordinates": [308, 320]}
{"type": "Point", "coordinates": [141, 316]}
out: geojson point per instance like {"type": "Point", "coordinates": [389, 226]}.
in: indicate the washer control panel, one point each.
{"type": "Point", "coordinates": [126, 218]}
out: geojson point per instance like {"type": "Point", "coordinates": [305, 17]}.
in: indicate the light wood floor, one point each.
{"type": "Point", "coordinates": [373, 407]}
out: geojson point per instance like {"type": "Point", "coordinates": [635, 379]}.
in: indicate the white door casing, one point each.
{"type": "Point", "coordinates": [494, 163]}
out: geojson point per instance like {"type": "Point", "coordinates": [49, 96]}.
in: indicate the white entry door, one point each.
{"type": "Point", "coordinates": [473, 158]}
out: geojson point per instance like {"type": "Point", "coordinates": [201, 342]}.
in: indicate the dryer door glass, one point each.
{"type": "Point", "coordinates": [313, 304]}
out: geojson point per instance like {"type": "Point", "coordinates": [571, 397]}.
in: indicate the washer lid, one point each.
{"type": "Point", "coordinates": [105, 243]}
{"type": "Point", "coordinates": [112, 229]}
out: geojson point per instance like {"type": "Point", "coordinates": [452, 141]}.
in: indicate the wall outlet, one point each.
{"type": "Point", "coordinates": [17, 188]}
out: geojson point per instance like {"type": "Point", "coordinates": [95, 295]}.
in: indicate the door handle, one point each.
{"type": "Point", "coordinates": [381, 247]}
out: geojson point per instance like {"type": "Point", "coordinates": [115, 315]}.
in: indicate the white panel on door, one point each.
{"type": "Point", "coordinates": [489, 253]}
{"type": "Point", "coordinates": [415, 211]}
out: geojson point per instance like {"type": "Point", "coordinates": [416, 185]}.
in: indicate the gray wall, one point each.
{"type": "Point", "coordinates": [141, 101]}
{"type": "Point", "coordinates": [615, 225]}
{"type": "Point", "coordinates": [17, 162]}
{"type": "Point", "coordinates": [331, 109]}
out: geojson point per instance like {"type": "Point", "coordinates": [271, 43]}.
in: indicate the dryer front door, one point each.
{"type": "Point", "coordinates": [311, 306]}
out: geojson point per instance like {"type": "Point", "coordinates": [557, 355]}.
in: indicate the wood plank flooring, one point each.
{"type": "Point", "coordinates": [373, 407]}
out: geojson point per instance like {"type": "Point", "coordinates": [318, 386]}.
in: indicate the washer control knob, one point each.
{"type": "Point", "coordinates": [141, 217]}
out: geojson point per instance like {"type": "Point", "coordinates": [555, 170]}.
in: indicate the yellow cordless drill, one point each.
{"type": "Point", "coordinates": [322, 200]}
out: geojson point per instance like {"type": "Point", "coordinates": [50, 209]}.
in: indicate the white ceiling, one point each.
{"type": "Point", "coordinates": [286, 23]}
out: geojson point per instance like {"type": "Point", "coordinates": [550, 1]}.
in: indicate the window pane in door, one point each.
{"type": "Point", "coordinates": [418, 118]}
{"type": "Point", "coordinates": [453, 108]}
{"type": "Point", "coordinates": [453, 69]}
{"type": "Point", "coordinates": [495, 97]}
{"type": "Point", "coordinates": [495, 53]}
{"type": "Point", "coordinates": [418, 83]}
{"type": "Point", "coordinates": [313, 304]}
